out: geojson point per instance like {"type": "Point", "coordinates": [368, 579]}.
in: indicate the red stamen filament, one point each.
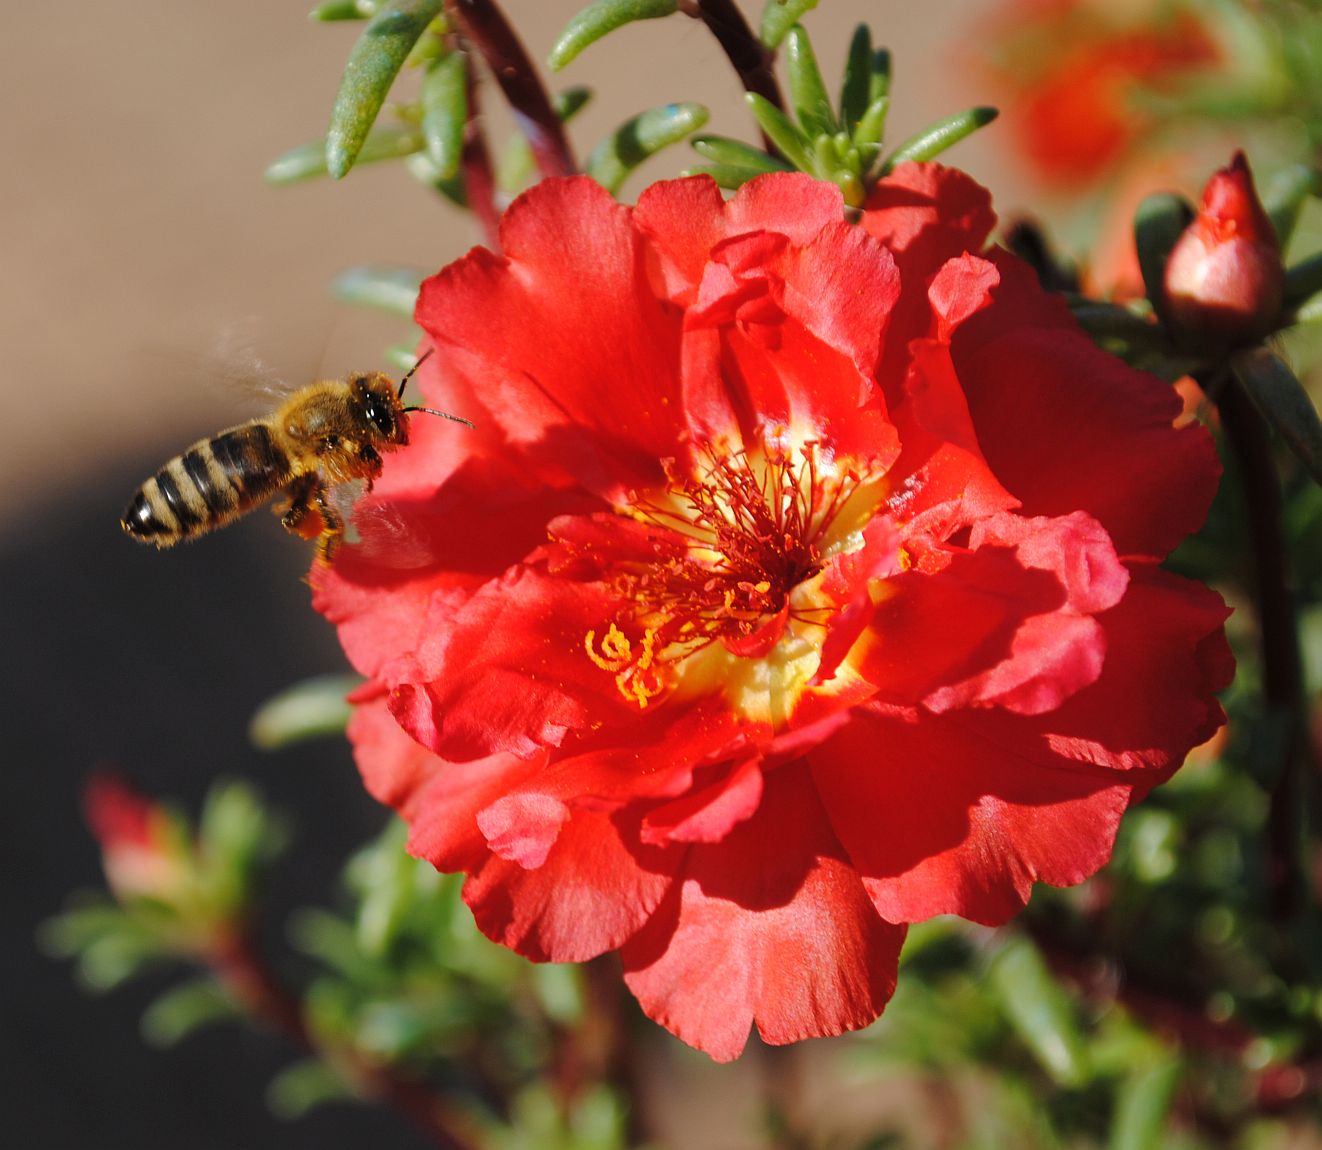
{"type": "Point", "coordinates": [752, 532]}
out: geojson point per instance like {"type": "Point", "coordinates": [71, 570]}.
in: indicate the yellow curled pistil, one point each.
{"type": "Point", "coordinates": [637, 678]}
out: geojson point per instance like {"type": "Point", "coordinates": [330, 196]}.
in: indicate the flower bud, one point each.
{"type": "Point", "coordinates": [140, 848]}
{"type": "Point", "coordinates": [1224, 277]}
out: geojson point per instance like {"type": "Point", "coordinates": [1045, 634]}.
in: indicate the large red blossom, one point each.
{"type": "Point", "coordinates": [799, 582]}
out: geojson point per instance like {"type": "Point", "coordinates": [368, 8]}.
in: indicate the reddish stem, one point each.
{"type": "Point", "coordinates": [750, 57]}
{"type": "Point", "coordinates": [253, 985]}
{"type": "Point", "coordinates": [484, 26]}
{"type": "Point", "coordinates": [475, 162]}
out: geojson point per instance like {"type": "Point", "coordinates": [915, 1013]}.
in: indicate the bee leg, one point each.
{"type": "Point", "coordinates": [372, 463]}
{"type": "Point", "coordinates": [303, 513]}
{"type": "Point", "coordinates": [332, 526]}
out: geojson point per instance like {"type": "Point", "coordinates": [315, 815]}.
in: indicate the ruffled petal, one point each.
{"type": "Point", "coordinates": [770, 926]}
{"type": "Point", "coordinates": [512, 674]}
{"type": "Point", "coordinates": [1067, 427]}
{"type": "Point", "coordinates": [581, 370]}
{"type": "Point", "coordinates": [928, 214]}
{"type": "Point", "coordinates": [597, 885]}
{"type": "Point", "coordinates": [939, 819]}
{"type": "Point", "coordinates": [424, 553]}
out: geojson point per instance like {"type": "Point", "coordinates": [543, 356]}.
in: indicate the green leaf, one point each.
{"type": "Point", "coordinates": [936, 138]}
{"type": "Point", "coordinates": [421, 168]}
{"type": "Point", "coordinates": [390, 289]}
{"type": "Point", "coordinates": [807, 91]}
{"type": "Point", "coordinates": [309, 160]}
{"type": "Point", "coordinates": [402, 356]}
{"type": "Point", "coordinates": [871, 127]}
{"type": "Point", "coordinates": [1039, 1011]}
{"type": "Point", "coordinates": [345, 10]}
{"type": "Point", "coordinates": [596, 20]}
{"type": "Point", "coordinates": [373, 65]}
{"type": "Point", "coordinates": [384, 874]}
{"type": "Point", "coordinates": [779, 16]}
{"type": "Point", "coordinates": [317, 707]}
{"type": "Point", "coordinates": [1284, 198]}
{"type": "Point", "coordinates": [114, 958]}
{"type": "Point", "coordinates": [515, 167]}
{"type": "Point", "coordinates": [735, 153]}
{"type": "Point", "coordinates": [64, 935]}
{"type": "Point", "coordinates": [781, 131]}
{"type": "Point", "coordinates": [634, 141]}
{"type": "Point", "coordinates": [185, 1008]}
{"type": "Point", "coordinates": [1283, 401]}
{"type": "Point", "coordinates": [854, 90]}
{"type": "Point", "coordinates": [445, 111]}
{"type": "Point", "coordinates": [1143, 1107]}
{"type": "Point", "coordinates": [879, 82]}
{"type": "Point", "coordinates": [302, 1087]}
{"type": "Point", "coordinates": [1303, 281]}
{"type": "Point", "coordinates": [1158, 224]}
{"type": "Point", "coordinates": [728, 176]}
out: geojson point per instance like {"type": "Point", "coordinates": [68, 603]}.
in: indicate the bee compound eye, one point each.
{"type": "Point", "coordinates": [378, 414]}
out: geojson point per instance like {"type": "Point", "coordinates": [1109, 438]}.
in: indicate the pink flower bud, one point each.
{"type": "Point", "coordinates": [139, 850]}
{"type": "Point", "coordinates": [1224, 277]}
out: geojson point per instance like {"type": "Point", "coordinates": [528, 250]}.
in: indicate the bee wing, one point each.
{"type": "Point", "coordinates": [230, 368]}
{"type": "Point", "coordinates": [376, 529]}
{"type": "Point", "coordinates": [244, 373]}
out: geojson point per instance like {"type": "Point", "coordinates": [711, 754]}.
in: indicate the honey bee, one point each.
{"type": "Point", "coordinates": [325, 434]}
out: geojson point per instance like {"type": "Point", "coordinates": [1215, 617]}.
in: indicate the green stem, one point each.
{"type": "Point", "coordinates": [250, 981]}
{"type": "Point", "coordinates": [1282, 673]}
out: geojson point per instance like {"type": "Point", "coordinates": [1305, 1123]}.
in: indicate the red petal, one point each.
{"type": "Point", "coordinates": [1166, 655]}
{"type": "Point", "coordinates": [597, 886]}
{"type": "Point", "coordinates": [423, 558]}
{"type": "Point", "coordinates": [940, 820]}
{"type": "Point", "coordinates": [440, 800]}
{"type": "Point", "coordinates": [771, 926]}
{"type": "Point", "coordinates": [512, 673]}
{"type": "Point", "coordinates": [686, 219]}
{"type": "Point", "coordinates": [1067, 427]}
{"type": "Point", "coordinates": [581, 369]}
{"type": "Point", "coordinates": [929, 214]}
{"type": "Point", "coordinates": [932, 631]}
{"type": "Point", "coordinates": [706, 815]}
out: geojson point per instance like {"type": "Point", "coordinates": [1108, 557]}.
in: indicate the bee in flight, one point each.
{"type": "Point", "coordinates": [325, 434]}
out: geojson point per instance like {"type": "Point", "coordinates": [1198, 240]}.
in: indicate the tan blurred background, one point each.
{"type": "Point", "coordinates": [142, 246]}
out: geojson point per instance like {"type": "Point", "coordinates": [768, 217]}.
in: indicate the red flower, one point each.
{"type": "Point", "coordinates": [799, 583]}
{"type": "Point", "coordinates": [1073, 70]}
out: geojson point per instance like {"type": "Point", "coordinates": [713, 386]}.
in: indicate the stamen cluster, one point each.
{"type": "Point", "coordinates": [750, 528]}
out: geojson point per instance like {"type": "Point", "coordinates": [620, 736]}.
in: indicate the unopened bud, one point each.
{"type": "Point", "coordinates": [140, 849]}
{"type": "Point", "coordinates": [1224, 277]}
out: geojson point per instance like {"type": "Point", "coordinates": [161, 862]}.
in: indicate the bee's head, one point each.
{"type": "Point", "coordinates": [379, 409]}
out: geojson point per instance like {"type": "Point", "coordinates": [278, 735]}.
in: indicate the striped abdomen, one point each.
{"type": "Point", "coordinates": [214, 481]}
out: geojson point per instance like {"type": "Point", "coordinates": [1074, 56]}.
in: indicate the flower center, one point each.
{"type": "Point", "coordinates": [737, 542]}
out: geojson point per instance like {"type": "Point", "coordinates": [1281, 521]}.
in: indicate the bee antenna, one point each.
{"type": "Point", "coordinates": [443, 414]}
{"type": "Point", "coordinates": [409, 374]}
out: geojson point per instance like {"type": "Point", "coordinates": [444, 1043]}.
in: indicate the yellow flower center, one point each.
{"type": "Point", "coordinates": [733, 600]}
